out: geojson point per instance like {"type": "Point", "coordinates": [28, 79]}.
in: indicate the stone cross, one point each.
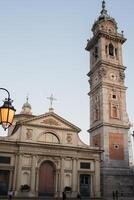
{"type": "Point", "coordinates": [51, 98]}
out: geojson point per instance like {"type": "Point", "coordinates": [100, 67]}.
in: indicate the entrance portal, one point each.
{"type": "Point", "coordinates": [85, 184]}
{"type": "Point", "coordinates": [46, 179]}
{"type": "Point", "coordinates": [4, 181]}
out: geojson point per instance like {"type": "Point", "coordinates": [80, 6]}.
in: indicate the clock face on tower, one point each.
{"type": "Point", "coordinates": [112, 76]}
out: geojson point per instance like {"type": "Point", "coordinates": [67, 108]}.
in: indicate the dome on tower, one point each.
{"type": "Point", "coordinates": [26, 108]}
{"type": "Point", "coordinates": [104, 21]}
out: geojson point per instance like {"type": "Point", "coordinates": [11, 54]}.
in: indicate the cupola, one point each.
{"type": "Point", "coordinates": [26, 108]}
{"type": "Point", "coordinates": [104, 22]}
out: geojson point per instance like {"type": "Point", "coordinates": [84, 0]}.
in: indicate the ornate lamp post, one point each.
{"type": "Point", "coordinates": [7, 111]}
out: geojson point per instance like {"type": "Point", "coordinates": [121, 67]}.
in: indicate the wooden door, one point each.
{"type": "Point", "coordinates": [46, 179]}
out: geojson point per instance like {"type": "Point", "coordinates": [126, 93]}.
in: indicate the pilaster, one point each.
{"type": "Point", "coordinates": [97, 178]}
{"type": "Point", "coordinates": [32, 181]}
{"type": "Point", "coordinates": [74, 175]}
{"type": "Point", "coordinates": [19, 168]}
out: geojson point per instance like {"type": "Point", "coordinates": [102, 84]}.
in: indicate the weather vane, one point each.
{"type": "Point", "coordinates": [51, 98]}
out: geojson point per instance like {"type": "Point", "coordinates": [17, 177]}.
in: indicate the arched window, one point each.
{"type": "Point", "coordinates": [111, 49]}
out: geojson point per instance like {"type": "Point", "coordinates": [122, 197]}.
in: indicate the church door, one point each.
{"type": "Point", "coordinates": [46, 179]}
{"type": "Point", "coordinates": [85, 184]}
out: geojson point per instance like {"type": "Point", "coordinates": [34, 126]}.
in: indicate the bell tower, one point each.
{"type": "Point", "coordinates": [109, 123]}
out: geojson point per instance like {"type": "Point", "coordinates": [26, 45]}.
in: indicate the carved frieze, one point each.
{"type": "Point", "coordinates": [51, 122]}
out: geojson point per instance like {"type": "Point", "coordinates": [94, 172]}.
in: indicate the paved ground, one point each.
{"type": "Point", "coordinates": [34, 198]}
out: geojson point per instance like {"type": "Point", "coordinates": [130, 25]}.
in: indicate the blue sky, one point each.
{"type": "Point", "coordinates": [42, 46]}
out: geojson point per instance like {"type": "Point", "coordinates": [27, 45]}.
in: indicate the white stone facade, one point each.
{"type": "Point", "coordinates": [45, 142]}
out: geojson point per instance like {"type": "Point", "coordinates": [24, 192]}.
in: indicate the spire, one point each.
{"type": "Point", "coordinates": [103, 11]}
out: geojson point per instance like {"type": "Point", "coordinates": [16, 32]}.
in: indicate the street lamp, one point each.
{"type": "Point", "coordinates": [7, 111]}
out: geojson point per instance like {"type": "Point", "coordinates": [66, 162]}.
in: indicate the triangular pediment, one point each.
{"type": "Point", "coordinates": [51, 120]}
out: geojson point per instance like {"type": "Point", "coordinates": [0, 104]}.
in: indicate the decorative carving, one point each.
{"type": "Point", "coordinates": [102, 72]}
{"type": "Point", "coordinates": [29, 134]}
{"type": "Point", "coordinates": [69, 138]}
{"type": "Point", "coordinates": [51, 121]}
{"type": "Point", "coordinates": [57, 162]}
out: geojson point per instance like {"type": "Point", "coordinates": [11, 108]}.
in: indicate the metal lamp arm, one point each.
{"type": "Point", "coordinates": [7, 92]}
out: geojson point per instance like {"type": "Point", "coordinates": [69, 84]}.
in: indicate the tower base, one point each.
{"type": "Point", "coordinates": [117, 183]}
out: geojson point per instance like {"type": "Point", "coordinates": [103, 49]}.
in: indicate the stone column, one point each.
{"type": "Point", "coordinates": [97, 178]}
{"type": "Point", "coordinates": [74, 176]}
{"type": "Point", "coordinates": [36, 180]}
{"type": "Point", "coordinates": [92, 185]}
{"type": "Point", "coordinates": [33, 174]}
{"type": "Point", "coordinates": [19, 169]}
{"type": "Point", "coordinates": [15, 172]}
{"type": "Point", "coordinates": [62, 176]}
{"type": "Point", "coordinates": [57, 183]}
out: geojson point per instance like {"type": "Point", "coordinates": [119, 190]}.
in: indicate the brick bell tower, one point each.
{"type": "Point", "coordinates": [109, 123]}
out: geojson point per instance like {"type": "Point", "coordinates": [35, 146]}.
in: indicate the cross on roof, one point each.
{"type": "Point", "coordinates": [51, 98]}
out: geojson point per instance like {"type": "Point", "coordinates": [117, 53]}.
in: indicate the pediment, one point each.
{"type": "Point", "coordinates": [51, 120]}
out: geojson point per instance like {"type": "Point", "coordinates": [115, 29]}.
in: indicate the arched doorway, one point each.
{"type": "Point", "coordinates": [46, 179]}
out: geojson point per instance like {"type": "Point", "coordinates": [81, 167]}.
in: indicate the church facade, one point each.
{"type": "Point", "coordinates": [43, 156]}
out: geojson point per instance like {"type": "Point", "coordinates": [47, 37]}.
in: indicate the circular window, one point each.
{"type": "Point", "coordinates": [116, 146]}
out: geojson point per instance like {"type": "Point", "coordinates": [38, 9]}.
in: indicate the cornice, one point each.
{"type": "Point", "coordinates": [101, 33]}
{"type": "Point", "coordinates": [103, 63]}
{"type": "Point", "coordinates": [44, 146]}
{"type": "Point", "coordinates": [105, 84]}
{"type": "Point", "coordinates": [102, 124]}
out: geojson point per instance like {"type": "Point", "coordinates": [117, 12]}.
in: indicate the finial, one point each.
{"type": "Point", "coordinates": [103, 11]}
{"type": "Point", "coordinates": [27, 97]}
{"type": "Point", "coordinates": [103, 5]}
{"type": "Point", "coordinates": [51, 98]}
{"type": "Point", "coordinates": [122, 32]}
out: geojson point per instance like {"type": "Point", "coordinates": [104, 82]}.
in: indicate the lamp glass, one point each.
{"type": "Point", "coordinates": [6, 116]}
